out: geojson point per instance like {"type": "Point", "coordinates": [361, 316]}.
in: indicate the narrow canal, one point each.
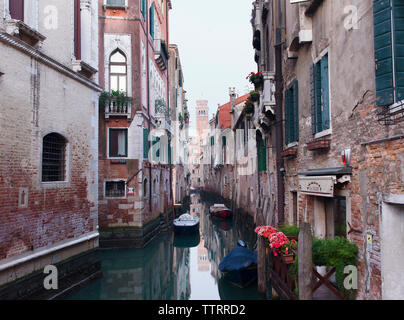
{"type": "Point", "coordinates": [175, 268]}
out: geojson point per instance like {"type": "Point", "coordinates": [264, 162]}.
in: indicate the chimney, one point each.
{"type": "Point", "coordinates": [232, 93]}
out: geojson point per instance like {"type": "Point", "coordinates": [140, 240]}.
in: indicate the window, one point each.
{"type": "Point", "coordinates": [118, 143]}
{"type": "Point", "coordinates": [262, 155]}
{"type": "Point", "coordinates": [212, 141]}
{"type": "Point", "coordinates": [146, 144]}
{"type": "Point", "coordinates": [17, 9]}
{"type": "Point", "coordinates": [320, 97]}
{"type": "Point", "coordinates": [145, 188]}
{"type": "Point", "coordinates": [118, 71]}
{"type": "Point", "coordinates": [143, 8]}
{"type": "Point", "coordinates": [115, 2]}
{"type": "Point", "coordinates": [53, 158]}
{"type": "Point", "coordinates": [114, 189]}
{"type": "Point", "coordinates": [389, 51]}
{"type": "Point", "coordinates": [151, 20]}
{"type": "Point", "coordinates": [292, 114]}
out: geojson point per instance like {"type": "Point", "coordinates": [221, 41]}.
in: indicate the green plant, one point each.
{"type": "Point", "coordinates": [254, 96]}
{"type": "Point", "coordinates": [338, 253]}
{"type": "Point", "coordinates": [119, 96]}
{"type": "Point", "coordinates": [248, 108]}
{"type": "Point", "coordinates": [290, 230]}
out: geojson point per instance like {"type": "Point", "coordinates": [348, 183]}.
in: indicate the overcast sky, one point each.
{"type": "Point", "coordinates": [214, 39]}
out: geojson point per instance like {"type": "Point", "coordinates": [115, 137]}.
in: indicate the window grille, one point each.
{"type": "Point", "coordinates": [115, 189]}
{"type": "Point", "coordinates": [53, 158]}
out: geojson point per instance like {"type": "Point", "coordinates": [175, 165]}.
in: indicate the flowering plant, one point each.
{"type": "Point", "coordinates": [255, 77]}
{"type": "Point", "coordinates": [277, 241]}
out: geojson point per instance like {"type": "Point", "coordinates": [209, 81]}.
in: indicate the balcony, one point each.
{"type": "Point", "coordinates": [19, 29]}
{"type": "Point", "coordinates": [114, 107]}
{"type": "Point", "coordinates": [161, 54]}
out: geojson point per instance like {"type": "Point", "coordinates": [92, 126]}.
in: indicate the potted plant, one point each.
{"type": "Point", "coordinates": [254, 96]}
{"type": "Point", "coordinates": [248, 109]}
{"type": "Point", "coordinates": [288, 250]}
{"type": "Point", "coordinates": [257, 79]}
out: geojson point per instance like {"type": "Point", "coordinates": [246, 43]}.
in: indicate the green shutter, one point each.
{"type": "Point", "coordinates": [152, 20]}
{"type": "Point", "coordinates": [295, 111]}
{"type": "Point", "coordinates": [317, 84]}
{"type": "Point", "coordinates": [313, 99]}
{"type": "Point", "coordinates": [262, 156]}
{"type": "Point", "coordinates": [143, 8]}
{"type": "Point", "coordinates": [288, 101]}
{"type": "Point", "coordinates": [212, 141]}
{"type": "Point", "coordinates": [383, 52]}
{"type": "Point", "coordinates": [146, 144]}
{"type": "Point", "coordinates": [398, 25]}
{"type": "Point", "coordinates": [325, 94]}
{"type": "Point", "coordinates": [224, 141]}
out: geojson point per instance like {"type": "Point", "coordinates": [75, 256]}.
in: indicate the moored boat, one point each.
{"type": "Point", "coordinates": [186, 224]}
{"type": "Point", "coordinates": [220, 211]}
{"type": "Point", "coordinates": [239, 267]}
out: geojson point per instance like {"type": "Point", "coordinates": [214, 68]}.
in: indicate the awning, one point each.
{"type": "Point", "coordinates": [327, 172]}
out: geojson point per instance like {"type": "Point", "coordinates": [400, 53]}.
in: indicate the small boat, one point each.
{"type": "Point", "coordinates": [186, 224]}
{"type": "Point", "coordinates": [220, 211]}
{"type": "Point", "coordinates": [239, 267]}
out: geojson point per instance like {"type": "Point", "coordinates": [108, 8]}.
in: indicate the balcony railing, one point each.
{"type": "Point", "coordinates": [116, 108]}
{"type": "Point", "coordinates": [161, 54]}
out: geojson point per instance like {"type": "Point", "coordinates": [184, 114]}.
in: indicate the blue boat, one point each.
{"type": "Point", "coordinates": [239, 267]}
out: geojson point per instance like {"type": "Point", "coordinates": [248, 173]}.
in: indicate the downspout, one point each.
{"type": "Point", "coordinates": [168, 104]}
{"type": "Point", "coordinates": [278, 133]}
{"type": "Point", "coordinates": [148, 100]}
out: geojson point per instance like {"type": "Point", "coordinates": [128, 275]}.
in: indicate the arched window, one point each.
{"type": "Point", "coordinates": [118, 71]}
{"type": "Point", "coordinates": [53, 158]}
{"type": "Point", "coordinates": [145, 188]}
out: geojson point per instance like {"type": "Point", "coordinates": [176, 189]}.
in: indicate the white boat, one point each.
{"type": "Point", "coordinates": [186, 224]}
{"type": "Point", "coordinates": [220, 210]}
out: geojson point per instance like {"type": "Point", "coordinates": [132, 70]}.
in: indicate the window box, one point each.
{"type": "Point", "coordinates": [319, 144]}
{"type": "Point", "coordinates": [289, 153]}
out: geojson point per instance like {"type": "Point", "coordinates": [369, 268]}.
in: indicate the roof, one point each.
{"type": "Point", "coordinates": [224, 112]}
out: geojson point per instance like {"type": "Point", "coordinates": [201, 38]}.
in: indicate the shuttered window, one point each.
{"type": "Point", "coordinates": [262, 155]}
{"type": "Point", "coordinates": [143, 8]}
{"type": "Point", "coordinates": [146, 145]}
{"type": "Point", "coordinates": [389, 50]}
{"type": "Point", "coordinates": [292, 113]}
{"type": "Point", "coordinates": [320, 96]}
{"type": "Point", "coordinates": [151, 20]}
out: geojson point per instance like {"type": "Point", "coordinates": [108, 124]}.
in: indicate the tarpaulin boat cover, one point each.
{"type": "Point", "coordinates": [239, 258]}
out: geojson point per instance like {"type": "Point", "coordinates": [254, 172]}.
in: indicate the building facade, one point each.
{"type": "Point", "coordinates": [340, 100]}
{"type": "Point", "coordinates": [49, 141]}
{"type": "Point", "coordinates": [180, 123]}
{"type": "Point", "coordinates": [135, 173]}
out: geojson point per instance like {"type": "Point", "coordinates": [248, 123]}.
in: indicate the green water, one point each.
{"type": "Point", "coordinates": [175, 268]}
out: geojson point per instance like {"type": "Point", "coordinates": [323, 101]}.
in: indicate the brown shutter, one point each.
{"type": "Point", "coordinates": [17, 9]}
{"type": "Point", "coordinates": [77, 30]}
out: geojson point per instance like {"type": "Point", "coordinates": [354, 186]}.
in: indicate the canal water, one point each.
{"type": "Point", "coordinates": [175, 268]}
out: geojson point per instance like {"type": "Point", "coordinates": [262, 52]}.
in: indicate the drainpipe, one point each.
{"type": "Point", "coordinates": [168, 104]}
{"type": "Point", "coordinates": [278, 133]}
{"type": "Point", "coordinates": [148, 99]}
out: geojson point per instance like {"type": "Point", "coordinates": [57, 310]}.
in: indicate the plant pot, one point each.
{"type": "Point", "coordinates": [255, 97]}
{"type": "Point", "coordinates": [288, 258]}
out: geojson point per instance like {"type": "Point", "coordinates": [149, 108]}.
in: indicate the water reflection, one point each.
{"type": "Point", "coordinates": [176, 267]}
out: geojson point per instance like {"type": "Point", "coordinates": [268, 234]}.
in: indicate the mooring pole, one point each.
{"type": "Point", "coordinates": [261, 268]}
{"type": "Point", "coordinates": [305, 262]}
